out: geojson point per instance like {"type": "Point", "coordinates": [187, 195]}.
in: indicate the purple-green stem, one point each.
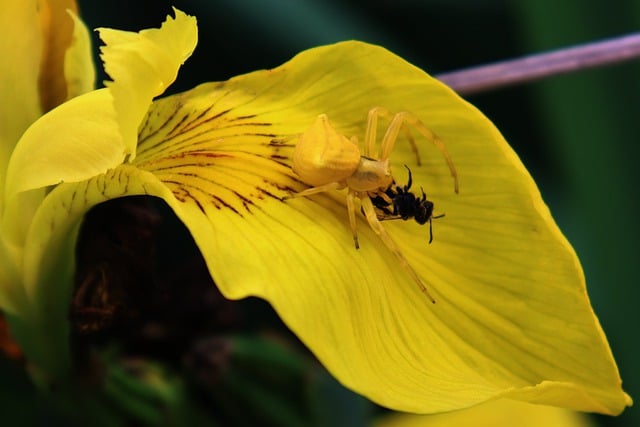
{"type": "Point", "coordinates": [533, 67]}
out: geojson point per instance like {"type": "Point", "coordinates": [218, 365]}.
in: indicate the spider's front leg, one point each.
{"type": "Point", "coordinates": [388, 140]}
{"type": "Point", "coordinates": [315, 190]}
{"type": "Point", "coordinates": [351, 210]}
{"type": "Point", "coordinates": [351, 195]}
{"type": "Point", "coordinates": [402, 120]}
{"type": "Point", "coordinates": [372, 219]}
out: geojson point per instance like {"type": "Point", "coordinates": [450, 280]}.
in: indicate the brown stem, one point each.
{"type": "Point", "coordinates": [533, 67]}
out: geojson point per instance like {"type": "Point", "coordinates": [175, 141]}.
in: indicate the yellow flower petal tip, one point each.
{"type": "Point", "coordinates": [511, 307]}
{"type": "Point", "coordinates": [142, 65]}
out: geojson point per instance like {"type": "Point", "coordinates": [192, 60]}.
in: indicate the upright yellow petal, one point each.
{"type": "Point", "coordinates": [42, 50]}
{"type": "Point", "coordinates": [57, 33]}
{"type": "Point", "coordinates": [79, 70]}
{"type": "Point", "coordinates": [21, 50]}
{"type": "Point", "coordinates": [512, 316]}
{"type": "Point", "coordinates": [142, 65]}
{"type": "Point", "coordinates": [88, 134]}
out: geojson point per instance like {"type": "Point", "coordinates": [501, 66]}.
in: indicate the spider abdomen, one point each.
{"type": "Point", "coordinates": [323, 155]}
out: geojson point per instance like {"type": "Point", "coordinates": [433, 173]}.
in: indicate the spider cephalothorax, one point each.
{"type": "Point", "coordinates": [328, 160]}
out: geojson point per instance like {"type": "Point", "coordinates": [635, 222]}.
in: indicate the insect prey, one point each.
{"type": "Point", "coordinates": [403, 204]}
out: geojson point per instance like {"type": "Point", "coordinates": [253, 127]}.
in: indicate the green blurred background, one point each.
{"type": "Point", "coordinates": [577, 134]}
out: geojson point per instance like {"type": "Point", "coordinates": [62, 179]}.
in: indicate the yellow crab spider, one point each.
{"type": "Point", "coordinates": [328, 160]}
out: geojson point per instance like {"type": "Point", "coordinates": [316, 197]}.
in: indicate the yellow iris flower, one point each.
{"type": "Point", "coordinates": [512, 317]}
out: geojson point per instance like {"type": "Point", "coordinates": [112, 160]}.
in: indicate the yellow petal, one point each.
{"type": "Point", "coordinates": [88, 134]}
{"type": "Point", "coordinates": [58, 30]}
{"type": "Point", "coordinates": [512, 316]}
{"type": "Point", "coordinates": [84, 136]}
{"type": "Point", "coordinates": [38, 36]}
{"type": "Point", "coordinates": [497, 413]}
{"type": "Point", "coordinates": [142, 65]}
{"type": "Point", "coordinates": [79, 70]}
{"type": "Point", "coordinates": [77, 140]}
{"type": "Point", "coordinates": [21, 52]}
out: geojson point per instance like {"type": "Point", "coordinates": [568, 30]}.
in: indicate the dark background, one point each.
{"type": "Point", "coordinates": [577, 134]}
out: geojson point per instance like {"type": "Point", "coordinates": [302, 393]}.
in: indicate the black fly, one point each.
{"type": "Point", "coordinates": [401, 203]}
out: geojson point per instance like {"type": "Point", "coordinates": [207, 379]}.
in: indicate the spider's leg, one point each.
{"type": "Point", "coordinates": [315, 190]}
{"type": "Point", "coordinates": [372, 219]}
{"type": "Point", "coordinates": [412, 142]}
{"type": "Point", "coordinates": [391, 135]}
{"type": "Point", "coordinates": [370, 133]}
{"type": "Point", "coordinates": [406, 118]}
{"type": "Point", "coordinates": [383, 196]}
{"type": "Point", "coordinates": [352, 217]}
{"type": "Point", "coordinates": [389, 139]}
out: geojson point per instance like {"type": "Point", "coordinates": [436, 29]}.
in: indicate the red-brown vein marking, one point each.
{"type": "Point", "coordinates": [213, 158]}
